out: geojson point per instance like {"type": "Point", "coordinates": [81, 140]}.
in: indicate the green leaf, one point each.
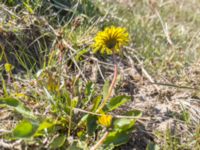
{"type": "Point", "coordinates": [58, 142]}
{"type": "Point", "coordinates": [105, 89]}
{"type": "Point", "coordinates": [124, 124]}
{"type": "Point", "coordinates": [49, 97]}
{"type": "Point", "coordinates": [67, 98]}
{"type": "Point", "coordinates": [74, 147]}
{"type": "Point", "coordinates": [152, 146]}
{"type": "Point", "coordinates": [89, 90]}
{"type": "Point", "coordinates": [80, 53]}
{"type": "Point", "coordinates": [116, 138]}
{"type": "Point", "coordinates": [9, 101]}
{"type": "Point", "coordinates": [185, 116]}
{"type": "Point", "coordinates": [78, 145]}
{"type": "Point", "coordinates": [45, 125]}
{"type": "Point", "coordinates": [134, 113]}
{"type": "Point", "coordinates": [91, 124]}
{"type": "Point", "coordinates": [82, 120]}
{"type": "Point", "coordinates": [117, 102]}
{"type": "Point", "coordinates": [18, 106]}
{"type": "Point", "coordinates": [28, 7]}
{"type": "Point", "coordinates": [74, 102]}
{"type": "Point", "coordinates": [96, 102]}
{"type": "Point", "coordinates": [68, 102]}
{"type": "Point", "coordinates": [25, 129]}
{"type": "Point", "coordinates": [109, 147]}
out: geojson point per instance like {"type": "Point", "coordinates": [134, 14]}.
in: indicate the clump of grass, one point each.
{"type": "Point", "coordinates": [28, 43]}
{"type": "Point", "coordinates": [77, 113]}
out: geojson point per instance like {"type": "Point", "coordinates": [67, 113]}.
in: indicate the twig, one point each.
{"type": "Point", "coordinates": [173, 85]}
{"type": "Point", "coordinates": [100, 142]}
{"type": "Point", "coordinates": [101, 62]}
{"type": "Point", "coordinates": [114, 116]}
{"type": "Point", "coordinates": [68, 46]}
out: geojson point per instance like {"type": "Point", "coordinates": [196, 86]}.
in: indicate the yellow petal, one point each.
{"type": "Point", "coordinates": [105, 120]}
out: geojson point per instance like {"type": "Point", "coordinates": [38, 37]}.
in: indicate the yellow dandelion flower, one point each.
{"type": "Point", "coordinates": [105, 120]}
{"type": "Point", "coordinates": [8, 67]}
{"type": "Point", "coordinates": [110, 40]}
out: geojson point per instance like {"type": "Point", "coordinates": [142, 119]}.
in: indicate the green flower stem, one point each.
{"type": "Point", "coordinates": [110, 88]}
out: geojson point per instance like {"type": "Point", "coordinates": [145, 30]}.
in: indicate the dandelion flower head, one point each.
{"type": "Point", "coordinates": [110, 40]}
{"type": "Point", "coordinates": [105, 120]}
